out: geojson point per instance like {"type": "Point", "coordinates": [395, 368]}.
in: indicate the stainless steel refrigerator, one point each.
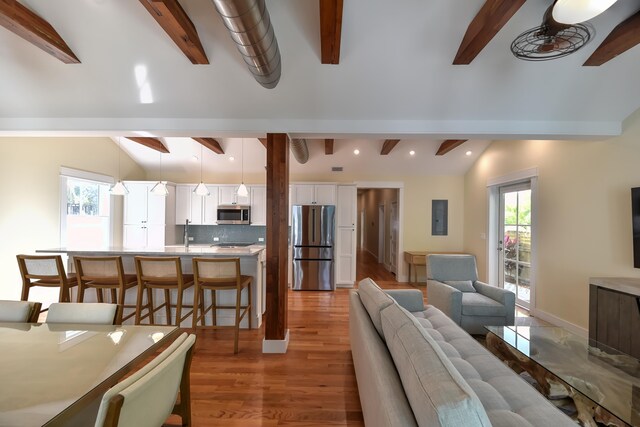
{"type": "Point", "coordinates": [312, 237]}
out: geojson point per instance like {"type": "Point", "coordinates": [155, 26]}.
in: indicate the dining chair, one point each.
{"type": "Point", "coordinates": [94, 313]}
{"type": "Point", "coordinates": [148, 397]}
{"type": "Point", "coordinates": [47, 271]}
{"type": "Point", "coordinates": [19, 311]}
{"type": "Point", "coordinates": [220, 274]}
{"type": "Point", "coordinates": [105, 273]}
{"type": "Point", "coordinates": [163, 273]}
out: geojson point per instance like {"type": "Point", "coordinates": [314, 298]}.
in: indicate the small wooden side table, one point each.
{"type": "Point", "coordinates": [416, 258]}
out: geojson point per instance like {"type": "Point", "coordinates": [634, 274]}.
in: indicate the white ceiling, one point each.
{"type": "Point", "coordinates": [395, 76]}
{"type": "Point", "coordinates": [185, 154]}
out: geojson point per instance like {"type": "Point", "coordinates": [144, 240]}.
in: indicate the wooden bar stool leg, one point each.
{"type": "Point", "coordinates": [237, 329]}
{"type": "Point", "coordinates": [196, 306]}
{"type": "Point", "coordinates": [167, 305]}
{"type": "Point", "coordinates": [114, 297]}
{"type": "Point", "coordinates": [100, 295]}
{"type": "Point", "coordinates": [250, 304]}
{"type": "Point", "coordinates": [63, 294]}
{"type": "Point", "coordinates": [140, 293]}
{"type": "Point", "coordinates": [202, 307]}
{"type": "Point", "coordinates": [25, 292]}
{"type": "Point", "coordinates": [179, 307]}
{"type": "Point", "coordinates": [81, 289]}
{"type": "Point", "coordinates": [214, 308]}
{"type": "Point", "coordinates": [152, 314]}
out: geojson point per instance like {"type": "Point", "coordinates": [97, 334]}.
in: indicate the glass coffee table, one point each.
{"type": "Point", "coordinates": [603, 383]}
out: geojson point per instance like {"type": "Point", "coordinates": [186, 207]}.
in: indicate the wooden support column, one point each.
{"type": "Point", "coordinates": [276, 336]}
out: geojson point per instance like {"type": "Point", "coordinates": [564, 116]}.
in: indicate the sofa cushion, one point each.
{"type": "Point", "coordinates": [508, 400]}
{"type": "Point", "coordinates": [374, 300]}
{"type": "Point", "coordinates": [452, 267]}
{"type": "Point", "coordinates": [461, 285]}
{"type": "Point", "coordinates": [476, 304]}
{"type": "Point", "coordinates": [438, 394]}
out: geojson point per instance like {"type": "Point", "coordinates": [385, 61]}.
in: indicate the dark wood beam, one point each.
{"type": "Point", "coordinates": [388, 145]}
{"type": "Point", "coordinates": [211, 144]}
{"type": "Point", "coordinates": [23, 22]}
{"type": "Point", "coordinates": [622, 38]}
{"type": "Point", "coordinates": [449, 145]}
{"type": "Point", "coordinates": [493, 15]}
{"type": "Point", "coordinates": [328, 146]}
{"type": "Point", "coordinates": [277, 236]}
{"type": "Point", "coordinates": [153, 143]}
{"type": "Point", "coordinates": [330, 30]}
{"type": "Point", "coordinates": [176, 23]}
{"type": "Point", "coordinates": [263, 141]}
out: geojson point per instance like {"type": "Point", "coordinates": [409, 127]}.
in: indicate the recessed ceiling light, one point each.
{"type": "Point", "coordinates": [468, 153]}
{"type": "Point", "coordinates": [231, 159]}
{"type": "Point", "coordinates": [194, 158]}
{"type": "Point", "coordinates": [412, 153]}
{"type": "Point", "coordinates": [356, 151]}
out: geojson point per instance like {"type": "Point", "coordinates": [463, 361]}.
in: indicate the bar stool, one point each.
{"type": "Point", "coordinates": [220, 274]}
{"type": "Point", "coordinates": [102, 273]}
{"type": "Point", "coordinates": [161, 273]}
{"type": "Point", "coordinates": [46, 271]}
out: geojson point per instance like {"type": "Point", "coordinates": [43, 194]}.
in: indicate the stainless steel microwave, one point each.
{"type": "Point", "coordinates": [234, 214]}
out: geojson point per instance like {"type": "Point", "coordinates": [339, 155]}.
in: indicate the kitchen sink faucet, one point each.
{"type": "Point", "coordinates": [186, 234]}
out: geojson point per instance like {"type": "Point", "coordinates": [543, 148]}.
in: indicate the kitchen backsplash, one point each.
{"type": "Point", "coordinates": [226, 233]}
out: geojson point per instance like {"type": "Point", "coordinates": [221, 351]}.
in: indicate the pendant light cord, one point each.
{"type": "Point", "coordinates": [200, 162]}
{"type": "Point", "coordinates": [243, 160]}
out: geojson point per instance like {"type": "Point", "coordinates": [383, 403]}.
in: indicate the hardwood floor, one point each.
{"type": "Point", "coordinates": [367, 266]}
{"type": "Point", "coordinates": [313, 384]}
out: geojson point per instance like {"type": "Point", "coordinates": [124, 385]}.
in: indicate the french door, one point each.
{"type": "Point", "coordinates": [514, 241]}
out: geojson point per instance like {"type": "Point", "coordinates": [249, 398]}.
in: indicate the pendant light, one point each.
{"type": "Point", "coordinates": [242, 190]}
{"type": "Point", "coordinates": [160, 189]}
{"type": "Point", "coordinates": [201, 189]}
{"type": "Point", "coordinates": [118, 189]}
{"type": "Point", "coordinates": [575, 11]}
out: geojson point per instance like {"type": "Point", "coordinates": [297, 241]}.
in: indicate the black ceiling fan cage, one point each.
{"type": "Point", "coordinates": [545, 42]}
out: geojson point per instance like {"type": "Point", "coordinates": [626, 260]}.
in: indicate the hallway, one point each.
{"type": "Point", "coordinates": [367, 266]}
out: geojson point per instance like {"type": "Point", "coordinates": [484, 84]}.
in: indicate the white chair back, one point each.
{"type": "Point", "coordinates": [16, 311]}
{"type": "Point", "coordinates": [148, 396]}
{"type": "Point", "coordinates": [82, 313]}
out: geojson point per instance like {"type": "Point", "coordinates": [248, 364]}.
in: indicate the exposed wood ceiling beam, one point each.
{"type": "Point", "coordinates": [153, 143]}
{"type": "Point", "coordinates": [493, 15]}
{"type": "Point", "coordinates": [176, 23]}
{"type": "Point", "coordinates": [263, 141]}
{"type": "Point", "coordinates": [330, 30]}
{"type": "Point", "coordinates": [328, 146]}
{"type": "Point", "coordinates": [23, 22]}
{"type": "Point", "coordinates": [449, 145]}
{"type": "Point", "coordinates": [211, 144]}
{"type": "Point", "coordinates": [388, 145]}
{"type": "Point", "coordinates": [622, 38]}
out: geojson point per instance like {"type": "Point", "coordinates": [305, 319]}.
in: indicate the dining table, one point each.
{"type": "Point", "coordinates": [56, 374]}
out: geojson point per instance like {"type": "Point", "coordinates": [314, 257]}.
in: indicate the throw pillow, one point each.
{"type": "Point", "coordinates": [461, 285]}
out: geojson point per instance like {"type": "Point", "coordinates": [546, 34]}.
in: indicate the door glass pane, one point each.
{"type": "Point", "coordinates": [524, 272]}
{"type": "Point", "coordinates": [510, 242]}
{"type": "Point", "coordinates": [524, 207]}
{"type": "Point", "coordinates": [524, 243]}
{"type": "Point", "coordinates": [511, 208]}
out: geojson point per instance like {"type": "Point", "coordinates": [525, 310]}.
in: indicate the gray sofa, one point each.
{"type": "Point", "coordinates": [416, 367]}
{"type": "Point", "coordinates": [454, 288]}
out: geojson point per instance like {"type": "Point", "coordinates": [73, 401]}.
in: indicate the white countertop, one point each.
{"type": "Point", "coordinates": [628, 285]}
{"type": "Point", "coordinates": [171, 250]}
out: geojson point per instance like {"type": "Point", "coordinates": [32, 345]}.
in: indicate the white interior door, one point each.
{"type": "Point", "coordinates": [381, 234]}
{"type": "Point", "coordinates": [515, 242]}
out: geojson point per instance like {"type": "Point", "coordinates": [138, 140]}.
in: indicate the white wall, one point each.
{"type": "Point", "coordinates": [584, 208]}
{"type": "Point", "coordinates": [30, 194]}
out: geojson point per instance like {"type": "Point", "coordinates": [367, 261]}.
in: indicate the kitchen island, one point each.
{"type": "Point", "coordinates": [252, 263]}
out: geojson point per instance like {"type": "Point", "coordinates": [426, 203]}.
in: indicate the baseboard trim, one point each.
{"type": "Point", "coordinates": [345, 285]}
{"type": "Point", "coordinates": [555, 320]}
{"type": "Point", "coordinates": [276, 346]}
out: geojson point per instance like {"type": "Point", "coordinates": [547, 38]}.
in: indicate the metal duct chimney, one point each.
{"type": "Point", "coordinates": [250, 27]}
{"type": "Point", "coordinates": [300, 150]}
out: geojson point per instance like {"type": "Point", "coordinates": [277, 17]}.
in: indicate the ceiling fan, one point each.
{"type": "Point", "coordinates": [551, 40]}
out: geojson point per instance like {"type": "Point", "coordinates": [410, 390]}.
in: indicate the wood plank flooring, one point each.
{"type": "Point", "coordinates": [313, 384]}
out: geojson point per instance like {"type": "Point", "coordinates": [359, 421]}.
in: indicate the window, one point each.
{"type": "Point", "coordinates": [86, 219]}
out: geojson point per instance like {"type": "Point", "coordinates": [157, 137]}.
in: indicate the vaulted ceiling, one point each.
{"type": "Point", "coordinates": [395, 77]}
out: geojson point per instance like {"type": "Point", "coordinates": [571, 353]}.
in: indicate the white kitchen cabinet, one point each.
{"type": "Point", "coordinates": [210, 206]}
{"type": "Point", "coordinates": [258, 204]}
{"type": "Point", "coordinates": [228, 195]}
{"type": "Point", "coordinates": [314, 194]}
{"type": "Point", "coordinates": [199, 210]}
{"type": "Point", "coordinates": [147, 215]}
{"type": "Point", "coordinates": [347, 206]}
{"type": "Point", "coordinates": [346, 212]}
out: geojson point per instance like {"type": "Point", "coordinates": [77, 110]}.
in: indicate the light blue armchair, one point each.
{"type": "Point", "coordinates": [454, 288]}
